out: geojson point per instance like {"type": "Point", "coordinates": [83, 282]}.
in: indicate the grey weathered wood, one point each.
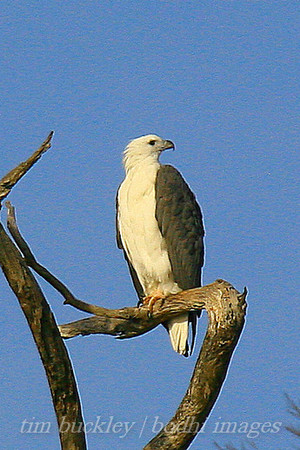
{"type": "Point", "coordinates": [226, 312]}
{"type": "Point", "coordinates": [49, 343]}
{"type": "Point", "coordinates": [133, 321]}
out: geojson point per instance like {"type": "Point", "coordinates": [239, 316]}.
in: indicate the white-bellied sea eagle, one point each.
{"type": "Point", "coordinates": [160, 229]}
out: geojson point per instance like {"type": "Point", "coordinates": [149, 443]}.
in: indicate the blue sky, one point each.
{"type": "Point", "coordinates": [220, 79]}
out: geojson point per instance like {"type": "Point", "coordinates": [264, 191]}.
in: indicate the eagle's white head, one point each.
{"type": "Point", "coordinates": [144, 149]}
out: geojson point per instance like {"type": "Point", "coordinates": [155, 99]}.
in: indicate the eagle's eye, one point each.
{"type": "Point", "coordinates": [152, 142]}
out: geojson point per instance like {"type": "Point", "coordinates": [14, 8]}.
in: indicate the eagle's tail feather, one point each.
{"type": "Point", "coordinates": [179, 333]}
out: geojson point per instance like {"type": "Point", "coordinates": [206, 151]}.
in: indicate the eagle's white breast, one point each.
{"type": "Point", "coordinates": [140, 235]}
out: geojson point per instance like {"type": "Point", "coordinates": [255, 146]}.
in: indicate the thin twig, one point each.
{"type": "Point", "coordinates": [41, 270]}
{"type": "Point", "coordinates": [9, 180]}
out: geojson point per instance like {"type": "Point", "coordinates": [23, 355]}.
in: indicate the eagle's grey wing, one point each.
{"type": "Point", "coordinates": [180, 222]}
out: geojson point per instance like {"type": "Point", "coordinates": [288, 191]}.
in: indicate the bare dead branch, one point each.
{"type": "Point", "coordinates": [9, 180]}
{"type": "Point", "coordinates": [226, 310]}
{"type": "Point", "coordinates": [134, 321]}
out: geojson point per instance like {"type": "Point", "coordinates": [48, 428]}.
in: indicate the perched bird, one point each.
{"type": "Point", "coordinates": [160, 229]}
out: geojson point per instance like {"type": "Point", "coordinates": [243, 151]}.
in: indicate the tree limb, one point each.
{"type": "Point", "coordinates": [49, 343]}
{"type": "Point", "coordinates": [9, 180]}
{"type": "Point", "coordinates": [226, 312]}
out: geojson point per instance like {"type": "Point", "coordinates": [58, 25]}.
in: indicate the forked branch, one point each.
{"type": "Point", "coordinates": [225, 306]}
{"type": "Point", "coordinates": [226, 309]}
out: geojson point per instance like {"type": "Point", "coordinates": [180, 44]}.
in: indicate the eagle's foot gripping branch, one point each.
{"type": "Point", "coordinates": [149, 301]}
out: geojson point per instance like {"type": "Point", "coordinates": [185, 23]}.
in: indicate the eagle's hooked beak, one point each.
{"type": "Point", "coordinates": [169, 144]}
